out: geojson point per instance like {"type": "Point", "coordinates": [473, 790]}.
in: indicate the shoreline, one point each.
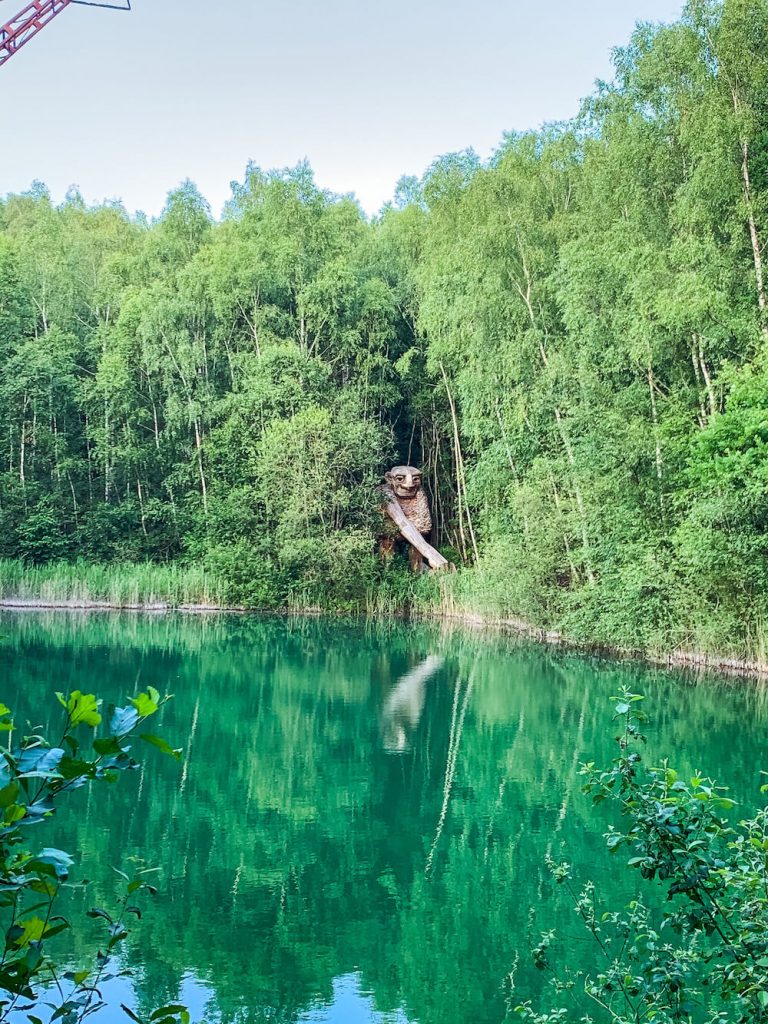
{"type": "Point", "coordinates": [36, 604]}
{"type": "Point", "coordinates": [680, 659]}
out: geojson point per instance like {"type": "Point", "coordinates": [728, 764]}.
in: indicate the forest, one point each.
{"type": "Point", "coordinates": [570, 338]}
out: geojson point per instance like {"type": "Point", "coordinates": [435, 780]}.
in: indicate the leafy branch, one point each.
{"type": "Point", "coordinates": [34, 774]}
{"type": "Point", "coordinates": [703, 957]}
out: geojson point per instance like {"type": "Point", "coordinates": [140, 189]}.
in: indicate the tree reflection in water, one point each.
{"type": "Point", "coordinates": [303, 867]}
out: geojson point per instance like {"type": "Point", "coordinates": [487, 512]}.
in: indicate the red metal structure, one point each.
{"type": "Point", "coordinates": [33, 19]}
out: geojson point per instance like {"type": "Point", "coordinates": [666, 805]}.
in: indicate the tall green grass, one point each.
{"type": "Point", "coordinates": [478, 594]}
{"type": "Point", "coordinates": [492, 596]}
{"type": "Point", "coordinates": [121, 585]}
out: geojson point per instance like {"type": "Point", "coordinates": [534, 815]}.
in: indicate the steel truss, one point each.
{"type": "Point", "coordinates": [33, 18]}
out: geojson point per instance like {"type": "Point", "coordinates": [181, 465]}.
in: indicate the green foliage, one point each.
{"type": "Point", "coordinates": [570, 339]}
{"type": "Point", "coordinates": [703, 957]}
{"type": "Point", "coordinates": [34, 776]}
{"type": "Point", "coordinates": [119, 585]}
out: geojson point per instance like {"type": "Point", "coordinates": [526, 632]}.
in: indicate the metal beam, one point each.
{"type": "Point", "coordinates": [33, 19]}
{"type": "Point", "coordinates": [26, 24]}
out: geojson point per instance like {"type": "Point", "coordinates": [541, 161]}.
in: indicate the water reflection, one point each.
{"type": "Point", "coordinates": [304, 870]}
{"type": "Point", "coordinates": [349, 1003]}
{"type": "Point", "coordinates": [404, 704]}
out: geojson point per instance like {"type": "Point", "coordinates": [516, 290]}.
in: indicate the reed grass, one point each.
{"type": "Point", "coordinates": [121, 585]}
{"type": "Point", "coordinates": [470, 595]}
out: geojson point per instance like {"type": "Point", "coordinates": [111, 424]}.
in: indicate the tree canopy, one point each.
{"type": "Point", "coordinates": [570, 338]}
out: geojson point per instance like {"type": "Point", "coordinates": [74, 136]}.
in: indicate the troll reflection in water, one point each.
{"type": "Point", "coordinates": [403, 706]}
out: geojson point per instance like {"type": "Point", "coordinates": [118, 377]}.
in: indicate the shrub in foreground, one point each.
{"type": "Point", "coordinates": [703, 957]}
{"type": "Point", "coordinates": [34, 775]}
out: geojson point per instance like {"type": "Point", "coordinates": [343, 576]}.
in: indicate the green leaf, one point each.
{"type": "Point", "coordinates": [725, 802]}
{"type": "Point", "coordinates": [57, 860]}
{"type": "Point", "coordinates": [6, 722]}
{"type": "Point", "coordinates": [32, 930]}
{"type": "Point", "coordinates": [123, 720]}
{"type": "Point", "coordinates": [168, 1011]}
{"type": "Point", "coordinates": [9, 793]}
{"type": "Point", "coordinates": [98, 912]}
{"type": "Point", "coordinates": [54, 929]}
{"type": "Point", "coordinates": [161, 744]}
{"type": "Point", "coordinates": [144, 705]}
{"type": "Point", "coordinates": [83, 709]}
{"type": "Point", "coordinates": [107, 745]}
{"type": "Point", "coordinates": [14, 813]}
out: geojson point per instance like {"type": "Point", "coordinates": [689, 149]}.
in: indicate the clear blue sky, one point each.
{"type": "Point", "coordinates": [128, 105]}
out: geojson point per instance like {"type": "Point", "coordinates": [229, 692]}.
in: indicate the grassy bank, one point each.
{"type": "Point", "coordinates": [124, 585]}
{"type": "Point", "coordinates": [477, 597]}
{"type": "Point", "coordinates": [473, 596]}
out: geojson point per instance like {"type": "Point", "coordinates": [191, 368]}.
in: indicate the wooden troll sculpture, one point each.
{"type": "Point", "coordinates": [406, 506]}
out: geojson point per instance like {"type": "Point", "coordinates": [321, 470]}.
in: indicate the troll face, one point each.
{"type": "Point", "coordinates": [405, 481]}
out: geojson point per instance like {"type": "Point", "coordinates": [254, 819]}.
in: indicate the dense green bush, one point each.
{"type": "Point", "coordinates": [702, 954]}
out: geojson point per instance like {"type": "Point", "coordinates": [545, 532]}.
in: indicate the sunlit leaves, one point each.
{"type": "Point", "coordinates": [146, 704]}
{"type": "Point", "coordinates": [31, 930]}
{"type": "Point", "coordinates": [82, 708]}
{"type": "Point", "coordinates": [6, 720]}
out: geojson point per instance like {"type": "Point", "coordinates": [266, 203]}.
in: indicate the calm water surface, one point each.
{"type": "Point", "coordinates": [357, 832]}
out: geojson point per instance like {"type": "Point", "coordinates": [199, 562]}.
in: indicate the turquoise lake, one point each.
{"type": "Point", "coordinates": [358, 828]}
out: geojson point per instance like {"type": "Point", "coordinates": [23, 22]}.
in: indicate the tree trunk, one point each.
{"type": "Point", "coordinates": [571, 563]}
{"type": "Point", "coordinates": [656, 438]}
{"type": "Point", "coordinates": [461, 481]}
{"type": "Point", "coordinates": [706, 375]}
{"type": "Point", "coordinates": [578, 495]}
{"type": "Point", "coordinates": [107, 481]}
{"type": "Point", "coordinates": [511, 461]}
{"type": "Point", "coordinates": [199, 449]}
{"type": "Point", "coordinates": [762, 301]}
{"type": "Point", "coordinates": [753, 237]}
{"type": "Point", "coordinates": [23, 441]}
{"type": "Point", "coordinates": [141, 506]}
